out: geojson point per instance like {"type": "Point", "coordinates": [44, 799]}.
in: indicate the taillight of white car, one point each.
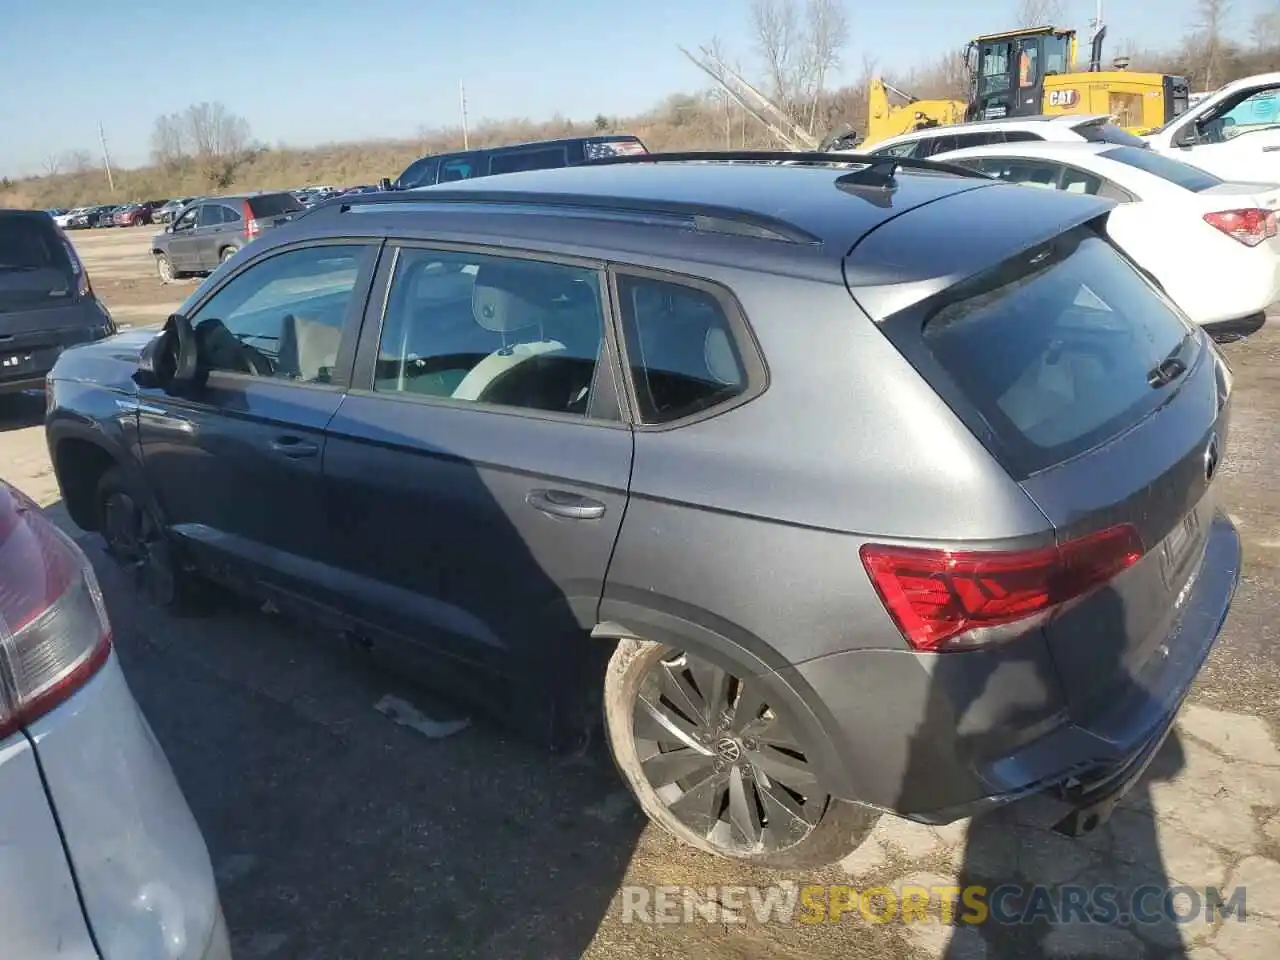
{"type": "Point", "coordinates": [1250, 227]}
{"type": "Point", "coordinates": [54, 631]}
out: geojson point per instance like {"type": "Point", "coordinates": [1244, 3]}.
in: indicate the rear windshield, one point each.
{"type": "Point", "coordinates": [274, 205]}
{"type": "Point", "coordinates": [1166, 168]}
{"type": "Point", "coordinates": [29, 242]}
{"type": "Point", "coordinates": [1109, 133]}
{"type": "Point", "coordinates": [1058, 349]}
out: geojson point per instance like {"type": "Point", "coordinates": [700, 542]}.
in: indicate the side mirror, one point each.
{"type": "Point", "coordinates": [168, 228]}
{"type": "Point", "coordinates": [385, 184]}
{"type": "Point", "coordinates": [171, 361]}
{"type": "Point", "coordinates": [1186, 137]}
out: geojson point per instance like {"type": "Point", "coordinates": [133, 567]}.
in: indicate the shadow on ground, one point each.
{"type": "Point", "coordinates": [335, 832]}
{"type": "Point", "coordinates": [20, 410]}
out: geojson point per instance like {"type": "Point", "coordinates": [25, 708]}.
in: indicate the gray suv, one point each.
{"type": "Point", "coordinates": [833, 503]}
{"type": "Point", "coordinates": [213, 229]}
{"type": "Point", "coordinates": [46, 301]}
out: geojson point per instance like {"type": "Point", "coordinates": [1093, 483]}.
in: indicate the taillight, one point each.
{"type": "Point", "coordinates": [951, 599]}
{"type": "Point", "coordinates": [54, 632]}
{"type": "Point", "coordinates": [1250, 227]}
{"type": "Point", "coordinates": [251, 226]}
{"type": "Point", "coordinates": [83, 287]}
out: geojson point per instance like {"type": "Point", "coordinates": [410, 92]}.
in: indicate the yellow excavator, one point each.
{"type": "Point", "coordinates": [1033, 71]}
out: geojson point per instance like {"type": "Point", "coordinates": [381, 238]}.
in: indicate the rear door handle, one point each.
{"type": "Point", "coordinates": [561, 503]}
{"type": "Point", "coordinates": [294, 448]}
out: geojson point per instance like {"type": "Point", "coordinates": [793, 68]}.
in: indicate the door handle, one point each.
{"type": "Point", "coordinates": [560, 503]}
{"type": "Point", "coordinates": [294, 448]}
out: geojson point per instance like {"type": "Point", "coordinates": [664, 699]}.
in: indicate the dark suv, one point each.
{"type": "Point", "coordinates": [514, 158]}
{"type": "Point", "coordinates": [46, 301]}
{"type": "Point", "coordinates": [840, 505]}
{"type": "Point", "coordinates": [213, 229]}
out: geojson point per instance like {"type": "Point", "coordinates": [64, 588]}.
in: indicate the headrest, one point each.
{"type": "Point", "coordinates": [508, 295]}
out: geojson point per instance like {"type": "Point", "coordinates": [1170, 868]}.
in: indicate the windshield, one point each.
{"type": "Point", "coordinates": [1166, 168]}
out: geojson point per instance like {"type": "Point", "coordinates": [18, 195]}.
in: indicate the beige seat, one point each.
{"type": "Point", "coordinates": [308, 347]}
{"type": "Point", "coordinates": [502, 301]}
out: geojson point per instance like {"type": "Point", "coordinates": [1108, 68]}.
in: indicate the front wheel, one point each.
{"type": "Point", "coordinates": [136, 539]}
{"type": "Point", "coordinates": [164, 268]}
{"type": "Point", "coordinates": [714, 762]}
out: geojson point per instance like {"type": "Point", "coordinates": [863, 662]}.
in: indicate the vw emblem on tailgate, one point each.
{"type": "Point", "coordinates": [1211, 456]}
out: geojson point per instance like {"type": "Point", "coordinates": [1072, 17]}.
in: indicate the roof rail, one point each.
{"type": "Point", "coordinates": [704, 217]}
{"type": "Point", "coordinates": [874, 165]}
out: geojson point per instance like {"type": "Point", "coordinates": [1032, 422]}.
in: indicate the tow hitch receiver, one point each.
{"type": "Point", "coordinates": [1094, 798]}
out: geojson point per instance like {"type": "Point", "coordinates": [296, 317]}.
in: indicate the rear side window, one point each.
{"type": "Point", "coordinates": [516, 160]}
{"type": "Point", "coordinates": [29, 242]}
{"type": "Point", "coordinates": [1056, 349]}
{"type": "Point", "coordinates": [1166, 168]}
{"type": "Point", "coordinates": [1109, 133]}
{"type": "Point", "coordinates": [680, 348]}
{"type": "Point", "coordinates": [274, 205]}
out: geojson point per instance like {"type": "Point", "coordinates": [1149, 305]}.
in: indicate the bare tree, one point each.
{"type": "Point", "coordinates": [1040, 13]}
{"type": "Point", "coordinates": [826, 33]}
{"type": "Point", "coordinates": [52, 165]}
{"type": "Point", "coordinates": [1206, 44]}
{"type": "Point", "coordinates": [77, 161]}
{"type": "Point", "coordinates": [779, 37]}
{"type": "Point", "coordinates": [1265, 30]}
{"type": "Point", "coordinates": [799, 46]}
{"type": "Point", "coordinates": [214, 132]}
{"type": "Point", "coordinates": [167, 140]}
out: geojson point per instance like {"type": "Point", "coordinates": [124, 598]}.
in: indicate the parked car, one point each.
{"type": "Point", "coordinates": [107, 215]}
{"type": "Point", "coordinates": [171, 208]}
{"type": "Point", "coordinates": [63, 220]}
{"type": "Point", "coordinates": [767, 458]}
{"type": "Point", "coordinates": [134, 214]}
{"type": "Point", "coordinates": [1234, 132]}
{"type": "Point", "coordinates": [102, 857]}
{"type": "Point", "coordinates": [46, 301]}
{"type": "Point", "coordinates": [1058, 128]}
{"type": "Point", "coordinates": [56, 212]}
{"type": "Point", "coordinates": [1181, 223]}
{"type": "Point", "coordinates": [538, 155]}
{"type": "Point", "coordinates": [212, 230]}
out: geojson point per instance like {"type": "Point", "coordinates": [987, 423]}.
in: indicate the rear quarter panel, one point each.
{"type": "Point", "coordinates": [40, 914]}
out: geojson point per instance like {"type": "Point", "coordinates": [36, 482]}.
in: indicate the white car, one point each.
{"type": "Point", "coordinates": [1234, 132]}
{"type": "Point", "coordinates": [100, 857]}
{"type": "Point", "coordinates": [1211, 244]}
{"type": "Point", "coordinates": [1087, 128]}
{"type": "Point", "coordinates": [64, 219]}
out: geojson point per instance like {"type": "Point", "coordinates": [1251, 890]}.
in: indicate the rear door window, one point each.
{"type": "Point", "coordinates": [458, 168]}
{"type": "Point", "coordinates": [274, 205]}
{"type": "Point", "coordinates": [1166, 168]}
{"type": "Point", "coordinates": [1057, 349]}
{"type": "Point", "coordinates": [512, 161]}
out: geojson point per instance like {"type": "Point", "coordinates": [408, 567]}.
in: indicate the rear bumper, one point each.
{"type": "Point", "coordinates": [926, 770]}
{"type": "Point", "coordinates": [1096, 764]}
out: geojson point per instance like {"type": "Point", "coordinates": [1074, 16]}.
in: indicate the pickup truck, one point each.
{"type": "Point", "coordinates": [1233, 133]}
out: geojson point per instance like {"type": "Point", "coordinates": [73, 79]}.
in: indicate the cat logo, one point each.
{"type": "Point", "coordinates": [1063, 98]}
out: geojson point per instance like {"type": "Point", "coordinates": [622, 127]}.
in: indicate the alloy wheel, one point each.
{"type": "Point", "coordinates": [724, 763]}
{"type": "Point", "coordinates": [165, 269]}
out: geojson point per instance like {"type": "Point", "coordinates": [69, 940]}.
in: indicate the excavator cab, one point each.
{"type": "Point", "coordinates": [1008, 70]}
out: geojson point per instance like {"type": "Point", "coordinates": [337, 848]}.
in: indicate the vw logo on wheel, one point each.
{"type": "Point", "coordinates": [728, 750]}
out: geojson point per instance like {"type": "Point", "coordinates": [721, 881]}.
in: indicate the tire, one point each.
{"type": "Point", "coordinates": [723, 760]}
{"type": "Point", "coordinates": [136, 540]}
{"type": "Point", "coordinates": [164, 268]}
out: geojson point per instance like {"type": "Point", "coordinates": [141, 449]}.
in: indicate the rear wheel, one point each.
{"type": "Point", "coordinates": [712, 761]}
{"type": "Point", "coordinates": [164, 268]}
{"type": "Point", "coordinates": [135, 538]}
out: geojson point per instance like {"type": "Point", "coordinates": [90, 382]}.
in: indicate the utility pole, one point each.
{"type": "Point", "coordinates": [462, 96]}
{"type": "Point", "coordinates": [106, 157]}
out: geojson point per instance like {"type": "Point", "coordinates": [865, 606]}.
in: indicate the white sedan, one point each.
{"type": "Point", "coordinates": [1211, 244]}
{"type": "Point", "coordinates": [100, 857]}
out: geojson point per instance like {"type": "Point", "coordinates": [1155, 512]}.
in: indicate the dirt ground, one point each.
{"type": "Point", "coordinates": [337, 833]}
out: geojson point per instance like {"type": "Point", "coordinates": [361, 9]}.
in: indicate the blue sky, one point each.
{"type": "Point", "coordinates": [310, 71]}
